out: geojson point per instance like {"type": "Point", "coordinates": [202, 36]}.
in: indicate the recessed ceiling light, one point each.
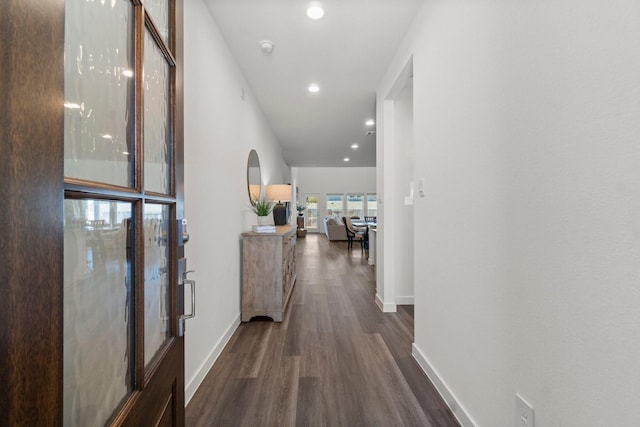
{"type": "Point", "coordinates": [106, 136]}
{"type": "Point", "coordinates": [313, 88]}
{"type": "Point", "coordinates": [354, 146]}
{"type": "Point", "coordinates": [127, 73]}
{"type": "Point", "coordinates": [346, 159]}
{"type": "Point", "coordinates": [315, 12]}
{"type": "Point", "coordinates": [370, 122]}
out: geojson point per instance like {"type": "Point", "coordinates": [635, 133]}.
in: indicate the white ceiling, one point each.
{"type": "Point", "coordinates": [346, 53]}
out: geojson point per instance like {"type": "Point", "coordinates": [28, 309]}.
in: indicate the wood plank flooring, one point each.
{"type": "Point", "coordinates": [336, 359]}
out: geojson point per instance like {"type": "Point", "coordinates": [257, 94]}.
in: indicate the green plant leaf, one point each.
{"type": "Point", "coordinates": [261, 207]}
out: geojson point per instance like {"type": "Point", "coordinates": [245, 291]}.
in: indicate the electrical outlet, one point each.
{"type": "Point", "coordinates": [524, 412]}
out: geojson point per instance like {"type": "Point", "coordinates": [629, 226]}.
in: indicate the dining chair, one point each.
{"type": "Point", "coordinates": [354, 233]}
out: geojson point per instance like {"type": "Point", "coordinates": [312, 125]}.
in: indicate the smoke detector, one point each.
{"type": "Point", "coordinates": [266, 46]}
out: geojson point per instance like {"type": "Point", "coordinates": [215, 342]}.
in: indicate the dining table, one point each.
{"type": "Point", "coordinates": [362, 223]}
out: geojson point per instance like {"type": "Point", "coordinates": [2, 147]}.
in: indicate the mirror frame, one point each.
{"type": "Point", "coordinates": [253, 163]}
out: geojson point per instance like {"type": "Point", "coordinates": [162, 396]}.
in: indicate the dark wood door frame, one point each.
{"type": "Point", "coordinates": [31, 200]}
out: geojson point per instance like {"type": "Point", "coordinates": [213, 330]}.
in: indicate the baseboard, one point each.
{"type": "Point", "coordinates": [450, 399]}
{"type": "Point", "coordinates": [385, 307]}
{"type": "Point", "coordinates": [202, 372]}
{"type": "Point", "coordinates": [404, 300]}
{"type": "Point", "coordinates": [379, 302]}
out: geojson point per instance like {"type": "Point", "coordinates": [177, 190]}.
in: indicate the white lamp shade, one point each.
{"type": "Point", "coordinates": [279, 192]}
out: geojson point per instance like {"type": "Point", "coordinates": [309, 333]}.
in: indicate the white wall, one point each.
{"type": "Point", "coordinates": [402, 197]}
{"type": "Point", "coordinates": [220, 130]}
{"type": "Point", "coordinates": [337, 180]}
{"type": "Point", "coordinates": [527, 130]}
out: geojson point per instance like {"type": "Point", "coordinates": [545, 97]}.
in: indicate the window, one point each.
{"type": "Point", "coordinates": [335, 205]}
{"type": "Point", "coordinates": [355, 205]}
{"type": "Point", "coordinates": [372, 205]}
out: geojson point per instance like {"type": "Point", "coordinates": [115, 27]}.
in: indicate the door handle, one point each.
{"type": "Point", "coordinates": [192, 284]}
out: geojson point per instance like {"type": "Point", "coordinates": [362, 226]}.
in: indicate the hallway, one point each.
{"type": "Point", "coordinates": [336, 360]}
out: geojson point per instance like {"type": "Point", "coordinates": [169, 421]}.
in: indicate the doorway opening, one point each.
{"type": "Point", "coordinates": [395, 278]}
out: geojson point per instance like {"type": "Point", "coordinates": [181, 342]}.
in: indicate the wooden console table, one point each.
{"type": "Point", "coordinates": [268, 272]}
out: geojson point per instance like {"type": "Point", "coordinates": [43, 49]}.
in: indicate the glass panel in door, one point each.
{"type": "Point", "coordinates": [311, 211]}
{"type": "Point", "coordinates": [159, 12]}
{"type": "Point", "coordinates": [157, 123]}
{"type": "Point", "coordinates": [157, 302]}
{"type": "Point", "coordinates": [98, 310]}
{"type": "Point", "coordinates": [99, 84]}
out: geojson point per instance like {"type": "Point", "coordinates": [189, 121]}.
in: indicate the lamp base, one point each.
{"type": "Point", "coordinates": [279, 214]}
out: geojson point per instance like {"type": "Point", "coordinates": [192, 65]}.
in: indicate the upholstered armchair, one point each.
{"type": "Point", "coordinates": [334, 228]}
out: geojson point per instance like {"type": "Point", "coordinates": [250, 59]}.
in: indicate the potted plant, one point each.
{"type": "Point", "coordinates": [300, 220]}
{"type": "Point", "coordinates": [262, 208]}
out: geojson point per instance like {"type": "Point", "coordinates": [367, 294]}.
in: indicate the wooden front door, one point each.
{"type": "Point", "coordinates": [91, 153]}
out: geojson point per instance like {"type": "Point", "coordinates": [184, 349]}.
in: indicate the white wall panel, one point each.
{"type": "Point", "coordinates": [527, 122]}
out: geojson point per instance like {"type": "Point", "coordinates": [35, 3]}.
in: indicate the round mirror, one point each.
{"type": "Point", "coordinates": [254, 179]}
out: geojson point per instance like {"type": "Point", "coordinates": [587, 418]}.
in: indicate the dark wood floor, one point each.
{"type": "Point", "coordinates": [336, 360]}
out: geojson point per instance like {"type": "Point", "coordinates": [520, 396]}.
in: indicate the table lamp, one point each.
{"type": "Point", "coordinates": [280, 193]}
